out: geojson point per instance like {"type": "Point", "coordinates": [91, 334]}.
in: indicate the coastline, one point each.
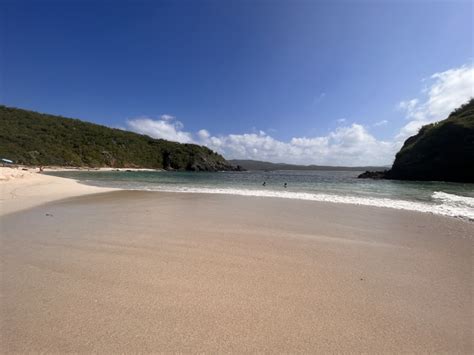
{"type": "Point", "coordinates": [137, 271]}
{"type": "Point", "coordinates": [25, 187]}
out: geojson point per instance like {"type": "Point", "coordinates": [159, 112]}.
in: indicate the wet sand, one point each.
{"type": "Point", "coordinates": [142, 271]}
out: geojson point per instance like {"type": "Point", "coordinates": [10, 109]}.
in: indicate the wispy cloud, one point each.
{"type": "Point", "coordinates": [166, 117]}
{"type": "Point", "coordinates": [319, 98]}
{"type": "Point", "coordinates": [380, 123]}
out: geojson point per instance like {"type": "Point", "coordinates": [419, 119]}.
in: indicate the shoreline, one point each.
{"type": "Point", "coordinates": [62, 168]}
{"type": "Point", "coordinates": [29, 188]}
{"type": "Point", "coordinates": [402, 205]}
{"type": "Point", "coordinates": [446, 205]}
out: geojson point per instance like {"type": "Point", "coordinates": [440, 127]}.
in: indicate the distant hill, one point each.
{"type": "Point", "coordinates": [263, 165]}
{"type": "Point", "coordinates": [441, 151]}
{"type": "Point", "coordinates": [32, 138]}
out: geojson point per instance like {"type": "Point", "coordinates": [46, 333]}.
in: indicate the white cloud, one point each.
{"type": "Point", "coordinates": [348, 145]}
{"type": "Point", "coordinates": [203, 134]}
{"type": "Point", "coordinates": [163, 128]}
{"type": "Point", "coordinates": [449, 90]}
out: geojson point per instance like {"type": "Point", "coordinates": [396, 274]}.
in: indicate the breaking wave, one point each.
{"type": "Point", "coordinates": [442, 203]}
{"type": "Point", "coordinates": [461, 205]}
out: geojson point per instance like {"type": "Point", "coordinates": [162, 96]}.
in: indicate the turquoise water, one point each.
{"type": "Point", "coordinates": [453, 199]}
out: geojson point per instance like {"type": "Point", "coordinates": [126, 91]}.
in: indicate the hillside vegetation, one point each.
{"type": "Point", "coordinates": [32, 138]}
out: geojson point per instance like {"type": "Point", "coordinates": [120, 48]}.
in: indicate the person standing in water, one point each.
{"type": "Point", "coordinates": [264, 183]}
{"type": "Point", "coordinates": [285, 185]}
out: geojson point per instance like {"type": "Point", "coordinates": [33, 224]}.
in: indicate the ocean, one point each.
{"type": "Point", "coordinates": [441, 198]}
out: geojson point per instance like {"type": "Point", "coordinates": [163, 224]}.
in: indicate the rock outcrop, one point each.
{"type": "Point", "coordinates": [376, 175]}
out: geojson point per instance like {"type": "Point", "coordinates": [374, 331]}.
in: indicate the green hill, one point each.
{"type": "Point", "coordinates": [441, 151]}
{"type": "Point", "coordinates": [32, 138]}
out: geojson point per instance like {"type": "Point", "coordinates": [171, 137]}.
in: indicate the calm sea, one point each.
{"type": "Point", "coordinates": [450, 199]}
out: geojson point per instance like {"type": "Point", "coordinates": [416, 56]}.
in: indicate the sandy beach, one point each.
{"type": "Point", "coordinates": [90, 270]}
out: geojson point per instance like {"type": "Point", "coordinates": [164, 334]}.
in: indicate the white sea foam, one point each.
{"type": "Point", "coordinates": [443, 203]}
{"type": "Point", "coordinates": [462, 205]}
{"type": "Point", "coordinates": [454, 199]}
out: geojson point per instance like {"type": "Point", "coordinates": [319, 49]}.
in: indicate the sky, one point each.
{"type": "Point", "coordinates": [308, 82]}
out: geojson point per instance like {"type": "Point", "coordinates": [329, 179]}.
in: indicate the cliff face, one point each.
{"type": "Point", "coordinates": [442, 151]}
{"type": "Point", "coordinates": [32, 138]}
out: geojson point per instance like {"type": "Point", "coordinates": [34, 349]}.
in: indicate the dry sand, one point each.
{"type": "Point", "coordinates": [21, 189]}
{"type": "Point", "coordinates": [146, 272]}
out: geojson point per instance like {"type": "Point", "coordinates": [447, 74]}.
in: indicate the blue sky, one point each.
{"type": "Point", "coordinates": [257, 76]}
